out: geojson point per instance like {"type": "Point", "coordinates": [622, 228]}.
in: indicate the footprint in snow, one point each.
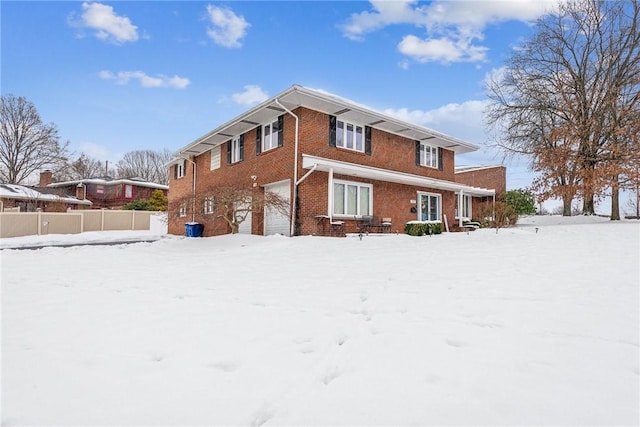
{"type": "Point", "coordinates": [455, 343]}
{"type": "Point", "coordinates": [156, 357]}
{"type": "Point", "coordinates": [225, 365]}
{"type": "Point", "coordinates": [262, 415]}
{"type": "Point", "coordinates": [331, 374]}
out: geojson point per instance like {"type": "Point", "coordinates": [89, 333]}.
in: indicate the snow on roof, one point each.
{"type": "Point", "coordinates": [102, 181]}
{"type": "Point", "coordinates": [14, 191]}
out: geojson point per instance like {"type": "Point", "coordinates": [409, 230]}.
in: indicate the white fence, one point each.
{"type": "Point", "coordinates": [16, 224]}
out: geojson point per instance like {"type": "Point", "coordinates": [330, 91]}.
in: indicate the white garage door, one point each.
{"type": "Point", "coordinates": [245, 226]}
{"type": "Point", "coordinates": [274, 221]}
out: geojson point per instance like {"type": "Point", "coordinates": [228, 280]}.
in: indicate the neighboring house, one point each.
{"type": "Point", "coordinates": [106, 192]}
{"type": "Point", "coordinates": [336, 161]}
{"type": "Point", "coordinates": [28, 199]}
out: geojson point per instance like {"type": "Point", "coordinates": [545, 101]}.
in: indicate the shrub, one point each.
{"type": "Point", "coordinates": [521, 201]}
{"type": "Point", "coordinates": [422, 228]}
{"type": "Point", "coordinates": [138, 205]}
{"type": "Point", "coordinates": [496, 215]}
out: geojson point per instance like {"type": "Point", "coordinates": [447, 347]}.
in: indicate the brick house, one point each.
{"type": "Point", "coordinates": [29, 199]}
{"type": "Point", "coordinates": [336, 161]}
{"type": "Point", "coordinates": [106, 192]}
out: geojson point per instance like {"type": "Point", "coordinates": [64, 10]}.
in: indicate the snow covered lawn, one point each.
{"type": "Point", "coordinates": [511, 328]}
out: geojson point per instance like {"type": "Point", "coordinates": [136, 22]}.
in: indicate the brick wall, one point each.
{"type": "Point", "coordinates": [490, 177]}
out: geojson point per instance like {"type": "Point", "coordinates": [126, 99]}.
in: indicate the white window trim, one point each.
{"type": "Point", "coordinates": [182, 166]}
{"type": "Point", "coordinates": [209, 206]}
{"type": "Point", "coordinates": [344, 135]}
{"type": "Point", "coordinates": [433, 150]}
{"type": "Point", "coordinates": [424, 193]}
{"type": "Point", "coordinates": [467, 200]}
{"type": "Point", "coordinates": [272, 144]}
{"type": "Point", "coordinates": [128, 191]}
{"type": "Point", "coordinates": [359, 185]}
{"type": "Point", "coordinates": [183, 211]}
{"type": "Point", "coordinates": [235, 149]}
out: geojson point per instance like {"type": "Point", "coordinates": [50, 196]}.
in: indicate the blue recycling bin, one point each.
{"type": "Point", "coordinates": [193, 229]}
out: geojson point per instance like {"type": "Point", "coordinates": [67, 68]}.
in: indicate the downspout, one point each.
{"type": "Point", "coordinates": [460, 198]}
{"type": "Point", "coordinates": [193, 207]}
{"type": "Point", "coordinates": [295, 172]}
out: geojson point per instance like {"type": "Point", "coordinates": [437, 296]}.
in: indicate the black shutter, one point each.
{"type": "Point", "coordinates": [280, 129]}
{"type": "Point", "coordinates": [418, 153]}
{"type": "Point", "coordinates": [228, 152]}
{"type": "Point", "coordinates": [440, 165]}
{"type": "Point", "coordinates": [332, 131]}
{"type": "Point", "coordinates": [258, 140]}
{"type": "Point", "coordinates": [367, 140]}
{"type": "Point", "coordinates": [241, 147]}
{"type": "Point", "coordinates": [175, 171]}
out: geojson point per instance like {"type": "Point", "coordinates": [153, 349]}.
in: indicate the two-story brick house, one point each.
{"type": "Point", "coordinates": [336, 162]}
{"type": "Point", "coordinates": [104, 192]}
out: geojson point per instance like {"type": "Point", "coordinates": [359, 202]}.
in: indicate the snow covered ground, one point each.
{"type": "Point", "coordinates": [518, 327]}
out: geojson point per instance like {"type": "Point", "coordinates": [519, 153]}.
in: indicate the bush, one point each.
{"type": "Point", "coordinates": [521, 201]}
{"type": "Point", "coordinates": [416, 228]}
{"type": "Point", "coordinates": [496, 215]}
{"type": "Point", "coordinates": [138, 205]}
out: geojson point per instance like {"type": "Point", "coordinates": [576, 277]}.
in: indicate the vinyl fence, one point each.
{"type": "Point", "coordinates": [16, 224]}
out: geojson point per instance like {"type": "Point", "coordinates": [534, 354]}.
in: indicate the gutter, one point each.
{"type": "Point", "coordinates": [295, 171]}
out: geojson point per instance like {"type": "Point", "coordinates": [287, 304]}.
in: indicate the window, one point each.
{"type": "Point", "coordinates": [349, 136]}
{"type": "Point", "coordinates": [128, 191]}
{"type": "Point", "coordinates": [235, 149]}
{"type": "Point", "coordinates": [428, 155]}
{"type": "Point", "coordinates": [352, 198]}
{"type": "Point", "coordinates": [215, 158]}
{"type": "Point", "coordinates": [430, 207]}
{"type": "Point", "coordinates": [183, 210]}
{"type": "Point", "coordinates": [270, 135]}
{"type": "Point", "coordinates": [466, 206]}
{"type": "Point", "coordinates": [180, 169]}
{"type": "Point", "coordinates": [209, 205]}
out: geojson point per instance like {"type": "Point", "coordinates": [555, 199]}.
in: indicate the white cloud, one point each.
{"type": "Point", "coordinates": [443, 50]}
{"type": "Point", "coordinates": [251, 95]}
{"type": "Point", "coordinates": [146, 81]}
{"type": "Point", "coordinates": [452, 28]}
{"type": "Point", "coordinates": [228, 29]}
{"type": "Point", "coordinates": [107, 24]}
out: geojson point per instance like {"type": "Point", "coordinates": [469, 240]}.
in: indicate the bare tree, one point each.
{"type": "Point", "coordinates": [147, 164]}
{"type": "Point", "coordinates": [233, 203]}
{"type": "Point", "coordinates": [26, 144]}
{"type": "Point", "coordinates": [82, 167]}
{"type": "Point", "coordinates": [569, 96]}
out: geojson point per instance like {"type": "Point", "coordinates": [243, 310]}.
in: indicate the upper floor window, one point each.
{"type": "Point", "coordinates": [235, 149]}
{"type": "Point", "coordinates": [180, 169]}
{"type": "Point", "coordinates": [349, 136]}
{"type": "Point", "coordinates": [352, 198]}
{"type": "Point", "coordinates": [270, 135]}
{"type": "Point", "coordinates": [428, 155]}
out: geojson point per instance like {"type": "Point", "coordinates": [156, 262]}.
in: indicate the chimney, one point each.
{"type": "Point", "coordinates": [46, 176]}
{"type": "Point", "coordinates": [80, 191]}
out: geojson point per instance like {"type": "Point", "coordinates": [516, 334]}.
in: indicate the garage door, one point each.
{"type": "Point", "coordinates": [274, 221]}
{"type": "Point", "coordinates": [245, 226]}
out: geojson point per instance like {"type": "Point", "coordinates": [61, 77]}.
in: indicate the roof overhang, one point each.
{"type": "Point", "coordinates": [368, 172]}
{"type": "Point", "coordinates": [298, 96]}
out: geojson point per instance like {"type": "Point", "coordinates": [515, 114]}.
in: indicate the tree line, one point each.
{"type": "Point", "coordinates": [28, 146]}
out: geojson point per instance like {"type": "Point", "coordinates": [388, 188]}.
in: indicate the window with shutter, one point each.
{"type": "Point", "coordinates": [427, 155]}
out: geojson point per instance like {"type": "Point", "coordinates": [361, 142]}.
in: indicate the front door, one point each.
{"type": "Point", "coordinates": [429, 207]}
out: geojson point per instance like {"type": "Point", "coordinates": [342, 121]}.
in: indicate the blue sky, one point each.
{"type": "Point", "coordinates": [120, 76]}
